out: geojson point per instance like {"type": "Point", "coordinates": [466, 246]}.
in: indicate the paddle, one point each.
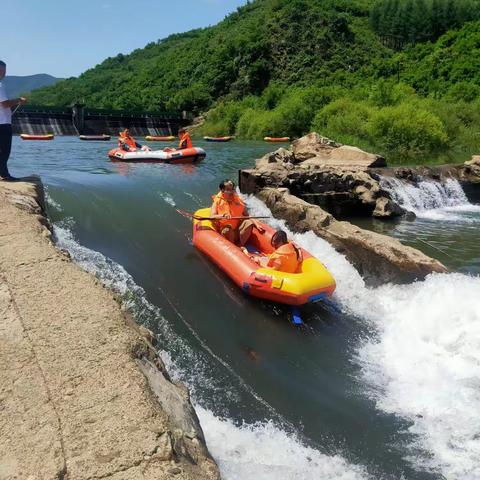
{"type": "Point", "coordinates": [196, 217]}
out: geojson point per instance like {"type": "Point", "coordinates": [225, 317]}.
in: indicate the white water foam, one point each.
{"type": "Point", "coordinates": [424, 362]}
{"type": "Point", "coordinates": [431, 199]}
{"type": "Point", "coordinates": [167, 198]}
{"type": "Point", "coordinates": [51, 202]}
{"type": "Point", "coordinates": [263, 450]}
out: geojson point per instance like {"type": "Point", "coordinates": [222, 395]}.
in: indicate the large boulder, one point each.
{"type": "Point", "coordinates": [347, 155]}
{"type": "Point", "coordinates": [378, 258]}
{"type": "Point", "coordinates": [386, 208]}
{"type": "Point", "coordinates": [473, 166]}
{"type": "Point", "coordinates": [313, 149]}
{"type": "Point", "coordinates": [280, 155]}
{"type": "Point", "coordinates": [312, 145]}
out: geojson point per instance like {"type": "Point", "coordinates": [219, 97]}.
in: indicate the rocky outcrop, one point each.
{"type": "Point", "coordinates": [345, 180]}
{"type": "Point", "coordinates": [341, 191]}
{"type": "Point", "coordinates": [322, 151]}
{"type": "Point", "coordinates": [379, 259]}
{"type": "Point", "coordinates": [83, 393]}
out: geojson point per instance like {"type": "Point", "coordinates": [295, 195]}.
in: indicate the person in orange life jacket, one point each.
{"type": "Point", "coordinates": [227, 204]}
{"type": "Point", "coordinates": [286, 257]}
{"type": "Point", "coordinates": [184, 141]}
{"type": "Point", "coordinates": [128, 143]}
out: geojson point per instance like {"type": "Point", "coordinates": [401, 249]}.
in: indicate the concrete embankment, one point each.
{"type": "Point", "coordinates": [83, 394]}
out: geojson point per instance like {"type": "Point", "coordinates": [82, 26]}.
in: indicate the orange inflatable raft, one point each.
{"type": "Point", "coordinates": [25, 136]}
{"type": "Point", "coordinates": [313, 282]}
{"type": "Point", "coordinates": [187, 155]}
{"type": "Point", "coordinates": [277, 139]}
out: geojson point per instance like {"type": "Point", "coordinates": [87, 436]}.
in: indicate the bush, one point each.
{"type": "Point", "coordinates": [408, 129]}
{"type": "Point", "coordinates": [388, 92]}
{"type": "Point", "coordinates": [463, 91]}
{"type": "Point", "coordinates": [342, 118]}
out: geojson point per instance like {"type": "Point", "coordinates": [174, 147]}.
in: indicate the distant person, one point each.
{"type": "Point", "coordinates": [227, 204]}
{"type": "Point", "coordinates": [184, 141]}
{"type": "Point", "coordinates": [286, 258]}
{"type": "Point", "coordinates": [128, 143]}
{"type": "Point", "coordinates": [6, 126]}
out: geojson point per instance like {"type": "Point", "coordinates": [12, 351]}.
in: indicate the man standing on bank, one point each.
{"type": "Point", "coordinates": [6, 125]}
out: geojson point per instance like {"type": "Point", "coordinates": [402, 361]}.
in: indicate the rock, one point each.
{"type": "Point", "coordinates": [312, 145]}
{"type": "Point", "coordinates": [378, 258]}
{"type": "Point", "coordinates": [280, 155]}
{"type": "Point", "coordinates": [475, 161]}
{"type": "Point", "coordinates": [387, 208]}
{"type": "Point", "coordinates": [353, 156]}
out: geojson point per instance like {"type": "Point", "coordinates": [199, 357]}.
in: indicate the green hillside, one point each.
{"type": "Point", "coordinates": [399, 76]}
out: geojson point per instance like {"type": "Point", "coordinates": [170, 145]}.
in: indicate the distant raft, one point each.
{"type": "Point", "coordinates": [217, 139]}
{"type": "Point", "coordinates": [187, 155]}
{"type": "Point", "coordinates": [25, 136]}
{"type": "Point", "coordinates": [153, 138]}
{"type": "Point", "coordinates": [95, 138]}
{"type": "Point", "coordinates": [311, 283]}
{"type": "Point", "coordinates": [277, 139]}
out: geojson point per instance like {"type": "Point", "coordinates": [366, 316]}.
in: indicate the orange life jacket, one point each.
{"type": "Point", "coordinates": [185, 142]}
{"type": "Point", "coordinates": [286, 258]}
{"type": "Point", "coordinates": [235, 208]}
{"type": "Point", "coordinates": [129, 141]}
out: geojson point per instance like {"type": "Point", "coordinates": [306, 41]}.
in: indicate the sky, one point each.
{"type": "Point", "coordinates": [66, 37]}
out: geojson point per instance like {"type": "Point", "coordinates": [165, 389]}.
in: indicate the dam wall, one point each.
{"type": "Point", "coordinates": [79, 120]}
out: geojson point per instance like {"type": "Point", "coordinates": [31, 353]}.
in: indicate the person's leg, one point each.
{"type": "Point", "coordinates": [245, 230]}
{"type": "Point", "coordinates": [5, 148]}
{"type": "Point", "coordinates": [229, 233]}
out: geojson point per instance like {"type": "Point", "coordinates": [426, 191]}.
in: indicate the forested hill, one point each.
{"type": "Point", "coordinates": [394, 75]}
{"type": "Point", "coordinates": [16, 85]}
{"type": "Point", "coordinates": [293, 41]}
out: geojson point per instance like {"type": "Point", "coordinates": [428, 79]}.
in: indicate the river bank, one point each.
{"type": "Point", "coordinates": [83, 393]}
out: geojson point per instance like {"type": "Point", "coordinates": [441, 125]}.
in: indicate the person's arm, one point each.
{"type": "Point", "coordinates": [273, 262]}
{"type": "Point", "coordinates": [214, 212]}
{"type": "Point", "coordinates": [13, 103]}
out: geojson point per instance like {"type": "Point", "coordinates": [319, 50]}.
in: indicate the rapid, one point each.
{"type": "Point", "coordinates": [380, 383]}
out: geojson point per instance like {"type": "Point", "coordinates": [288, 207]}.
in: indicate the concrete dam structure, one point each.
{"type": "Point", "coordinates": [80, 120]}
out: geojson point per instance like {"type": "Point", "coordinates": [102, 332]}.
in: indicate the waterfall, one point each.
{"type": "Point", "coordinates": [429, 198]}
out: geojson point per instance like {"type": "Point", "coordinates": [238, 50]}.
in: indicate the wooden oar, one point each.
{"type": "Point", "coordinates": [196, 217]}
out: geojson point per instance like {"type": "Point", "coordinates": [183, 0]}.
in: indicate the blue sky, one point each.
{"type": "Point", "coordinates": [66, 37]}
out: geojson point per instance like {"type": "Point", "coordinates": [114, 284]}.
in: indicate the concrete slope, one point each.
{"type": "Point", "coordinates": [83, 394]}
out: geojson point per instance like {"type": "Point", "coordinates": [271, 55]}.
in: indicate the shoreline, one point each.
{"type": "Point", "coordinates": [83, 392]}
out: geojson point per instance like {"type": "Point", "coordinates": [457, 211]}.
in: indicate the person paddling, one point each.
{"type": "Point", "coordinates": [227, 204]}
{"type": "Point", "coordinates": [128, 143]}
{"type": "Point", "coordinates": [6, 126]}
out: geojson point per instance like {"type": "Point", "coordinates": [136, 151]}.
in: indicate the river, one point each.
{"type": "Point", "coordinates": [380, 383]}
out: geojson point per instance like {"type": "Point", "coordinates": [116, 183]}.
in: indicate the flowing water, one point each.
{"type": "Point", "coordinates": [380, 383]}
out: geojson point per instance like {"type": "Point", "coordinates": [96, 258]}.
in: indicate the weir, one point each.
{"type": "Point", "coordinates": [80, 120]}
